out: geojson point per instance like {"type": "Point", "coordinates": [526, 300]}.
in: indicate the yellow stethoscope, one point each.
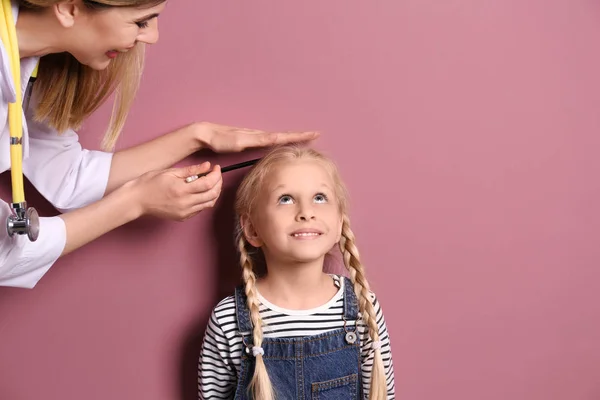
{"type": "Point", "coordinates": [24, 220]}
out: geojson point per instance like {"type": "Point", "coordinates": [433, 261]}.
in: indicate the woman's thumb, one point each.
{"type": "Point", "coordinates": [193, 172]}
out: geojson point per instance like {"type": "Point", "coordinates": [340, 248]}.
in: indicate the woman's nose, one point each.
{"type": "Point", "coordinates": [149, 35]}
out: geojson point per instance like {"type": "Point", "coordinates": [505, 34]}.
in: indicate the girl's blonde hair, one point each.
{"type": "Point", "coordinates": [247, 196]}
{"type": "Point", "coordinates": [68, 91]}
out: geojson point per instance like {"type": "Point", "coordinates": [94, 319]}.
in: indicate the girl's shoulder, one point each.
{"type": "Point", "coordinates": [225, 303]}
{"type": "Point", "coordinates": [224, 310]}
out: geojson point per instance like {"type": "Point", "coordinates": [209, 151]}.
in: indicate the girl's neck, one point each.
{"type": "Point", "coordinates": [297, 287]}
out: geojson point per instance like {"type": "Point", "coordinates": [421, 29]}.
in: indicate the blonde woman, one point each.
{"type": "Point", "coordinates": [297, 332]}
{"type": "Point", "coordinates": [86, 50]}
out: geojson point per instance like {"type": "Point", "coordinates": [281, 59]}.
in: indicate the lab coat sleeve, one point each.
{"type": "Point", "coordinates": [22, 262]}
{"type": "Point", "coordinates": [67, 175]}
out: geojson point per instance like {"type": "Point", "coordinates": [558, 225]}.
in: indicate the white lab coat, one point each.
{"type": "Point", "coordinates": [66, 175]}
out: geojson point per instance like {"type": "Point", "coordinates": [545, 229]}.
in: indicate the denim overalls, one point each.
{"type": "Point", "coordinates": [325, 366]}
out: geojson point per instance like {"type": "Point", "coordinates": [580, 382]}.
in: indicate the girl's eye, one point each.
{"type": "Point", "coordinates": [142, 25]}
{"type": "Point", "coordinates": [320, 198]}
{"type": "Point", "coordinates": [285, 199]}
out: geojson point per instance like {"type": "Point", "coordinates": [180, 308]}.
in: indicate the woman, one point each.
{"type": "Point", "coordinates": [86, 50]}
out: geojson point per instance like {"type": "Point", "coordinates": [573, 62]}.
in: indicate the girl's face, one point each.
{"type": "Point", "coordinates": [296, 218]}
{"type": "Point", "coordinates": [95, 37]}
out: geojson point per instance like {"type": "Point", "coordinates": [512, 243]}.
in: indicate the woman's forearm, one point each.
{"type": "Point", "coordinates": [88, 223]}
{"type": "Point", "coordinates": [157, 154]}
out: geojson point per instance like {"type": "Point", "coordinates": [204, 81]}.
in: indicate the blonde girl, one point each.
{"type": "Point", "coordinates": [297, 332]}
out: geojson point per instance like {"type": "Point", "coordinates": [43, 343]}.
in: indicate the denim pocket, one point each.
{"type": "Point", "coordinates": [344, 388]}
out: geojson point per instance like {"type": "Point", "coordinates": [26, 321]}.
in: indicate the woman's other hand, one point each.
{"type": "Point", "coordinates": [226, 139]}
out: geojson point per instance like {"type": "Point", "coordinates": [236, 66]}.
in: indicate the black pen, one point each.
{"type": "Point", "coordinates": [225, 169]}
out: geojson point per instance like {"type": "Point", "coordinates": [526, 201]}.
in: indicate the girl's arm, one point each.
{"type": "Point", "coordinates": [386, 354]}
{"type": "Point", "coordinates": [217, 378]}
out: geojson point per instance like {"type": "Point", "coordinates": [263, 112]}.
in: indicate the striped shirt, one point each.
{"type": "Point", "coordinates": [220, 359]}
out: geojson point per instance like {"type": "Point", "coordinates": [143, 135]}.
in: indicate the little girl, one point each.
{"type": "Point", "coordinates": [297, 332]}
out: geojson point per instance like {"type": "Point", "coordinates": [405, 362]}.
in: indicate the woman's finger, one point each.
{"type": "Point", "coordinates": [202, 202]}
{"type": "Point", "coordinates": [248, 131]}
{"type": "Point", "coordinates": [276, 138]}
{"type": "Point", "coordinates": [209, 195]}
{"type": "Point", "coordinates": [193, 171]}
{"type": "Point", "coordinates": [202, 206]}
{"type": "Point", "coordinates": [206, 182]}
{"type": "Point", "coordinates": [288, 137]}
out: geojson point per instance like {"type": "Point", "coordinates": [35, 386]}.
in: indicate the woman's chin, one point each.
{"type": "Point", "coordinates": [97, 64]}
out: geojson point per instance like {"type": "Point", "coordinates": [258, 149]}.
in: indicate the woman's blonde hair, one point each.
{"type": "Point", "coordinates": [68, 91]}
{"type": "Point", "coordinates": [246, 198]}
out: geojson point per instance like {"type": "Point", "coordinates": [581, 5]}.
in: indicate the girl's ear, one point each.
{"type": "Point", "coordinates": [250, 232]}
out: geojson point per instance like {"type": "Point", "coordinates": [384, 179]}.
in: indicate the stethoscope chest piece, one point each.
{"type": "Point", "coordinates": [23, 221]}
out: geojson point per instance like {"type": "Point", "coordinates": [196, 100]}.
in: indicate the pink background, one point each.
{"type": "Point", "coordinates": [467, 132]}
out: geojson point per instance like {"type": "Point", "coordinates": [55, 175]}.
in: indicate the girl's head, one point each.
{"type": "Point", "coordinates": [95, 48]}
{"type": "Point", "coordinates": [293, 206]}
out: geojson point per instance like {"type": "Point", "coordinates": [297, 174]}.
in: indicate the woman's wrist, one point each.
{"type": "Point", "coordinates": [130, 198]}
{"type": "Point", "coordinates": [201, 134]}
{"type": "Point", "coordinates": [85, 224]}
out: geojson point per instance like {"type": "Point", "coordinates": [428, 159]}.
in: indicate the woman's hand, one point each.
{"type": "Point", "coordinates": [166, 194]}
{"type": "Point", "coordinates": [167, 150]}
{"type": "Point", "coordinates": [224, 139]}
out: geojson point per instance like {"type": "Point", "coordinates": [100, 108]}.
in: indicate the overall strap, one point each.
{"type": "Point", "coordinates": [350, 301]}
{"type": "Point", "coordinates": [242, 313]}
